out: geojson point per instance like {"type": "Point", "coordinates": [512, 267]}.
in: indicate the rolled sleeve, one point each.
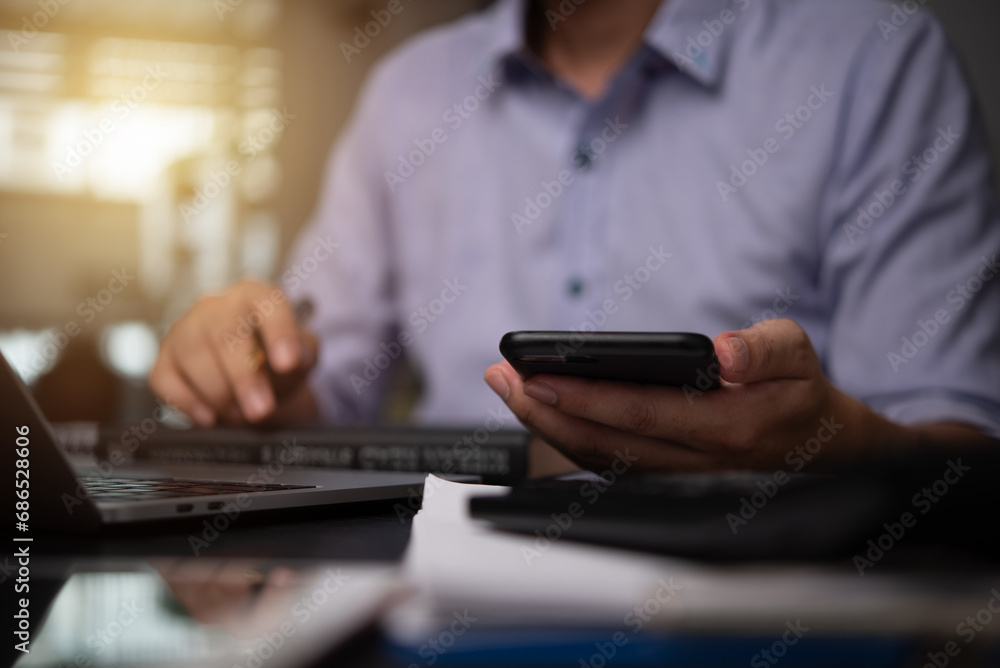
{"type": "Point", "coordinates": [912, 236]}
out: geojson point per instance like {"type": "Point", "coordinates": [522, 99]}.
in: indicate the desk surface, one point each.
{"type": "Point", "coordinates": [369, 532]}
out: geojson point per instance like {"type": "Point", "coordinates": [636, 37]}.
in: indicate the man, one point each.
{"type": "Point", "coordinates": [812, 167]}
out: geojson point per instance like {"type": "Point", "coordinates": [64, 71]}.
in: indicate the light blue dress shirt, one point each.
{"type": "Point", "coordinates": [814, 160]}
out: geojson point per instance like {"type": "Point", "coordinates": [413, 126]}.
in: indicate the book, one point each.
{"type": "Point", "coordinates": [499, 457]}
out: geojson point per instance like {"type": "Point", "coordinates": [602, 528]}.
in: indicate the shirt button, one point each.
{"type": "Point", "coordinates": [582, 157]}
{"type": "Point", "coordinates": [575, 286]}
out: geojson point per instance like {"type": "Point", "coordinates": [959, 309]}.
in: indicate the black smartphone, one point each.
{"type": "Point", "coordinates": [664, 358]}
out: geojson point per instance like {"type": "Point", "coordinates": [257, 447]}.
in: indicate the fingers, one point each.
{"type": "Point", "coordinates": [279, 331]}
{"type": "Point", "coordinates": [587, 442]}
{"type": "Point", "coordinates": [769, 350]}
{"type": "Point", "coordinates": [166, 382]}
{"type": "Point", "coordinates": [219, 361]}
{"type": "Point", "coordinates": [245, 373]}
{"type": "Point", "coordinates": [270, 602]}
{"type": "Point", "coordinates": [198, 367]}
{"type": "Point", "coordinates": [647, 410]}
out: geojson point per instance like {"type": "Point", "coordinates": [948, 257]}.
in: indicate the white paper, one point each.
{"type": "Point", "coordinates": [460, 565]}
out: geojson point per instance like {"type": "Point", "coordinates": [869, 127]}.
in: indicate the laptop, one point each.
{"type": "Point", "coordinates": [61, 497]}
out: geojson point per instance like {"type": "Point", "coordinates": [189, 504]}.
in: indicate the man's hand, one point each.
{"type": "Point", "coordinates": [237, 357]}
{"type": "Point", "coordinates": [774, 399]}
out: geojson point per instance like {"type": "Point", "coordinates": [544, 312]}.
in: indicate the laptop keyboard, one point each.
{"type": "Point", "coordinates": [131, 489]}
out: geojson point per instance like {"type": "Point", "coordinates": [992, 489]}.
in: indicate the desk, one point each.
{"type": "Point", "coordinates": [369, 532]}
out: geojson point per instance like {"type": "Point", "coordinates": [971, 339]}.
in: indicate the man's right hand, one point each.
{"type": "Point", "coordinates": [237, 357]}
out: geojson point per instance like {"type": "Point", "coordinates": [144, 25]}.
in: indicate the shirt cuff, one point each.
{"type": "Point", "coordinates": [924, 410]}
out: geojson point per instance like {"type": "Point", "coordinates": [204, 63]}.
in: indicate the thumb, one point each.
{"type": "Point", "coordinates": [769, 350]}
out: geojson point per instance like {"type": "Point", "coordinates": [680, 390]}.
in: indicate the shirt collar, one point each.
{"type": "Point", "coordinates": [505, 25]}
{"type": "Point", "coordinates": [695, 36]}
{"type": "Point", "coordinates": [674, 35]}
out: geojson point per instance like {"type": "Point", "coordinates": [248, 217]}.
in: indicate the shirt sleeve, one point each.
{"type": "Point", "coordinates": [910, 234]}
{"type": "Point", "coordinates": [341, 263]}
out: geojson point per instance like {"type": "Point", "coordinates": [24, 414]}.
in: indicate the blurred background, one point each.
{"type": "Point", "coordinates": [153, 150]}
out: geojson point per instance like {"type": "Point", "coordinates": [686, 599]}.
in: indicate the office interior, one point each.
{"type": "Point", "coordinates": [117, 121]}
